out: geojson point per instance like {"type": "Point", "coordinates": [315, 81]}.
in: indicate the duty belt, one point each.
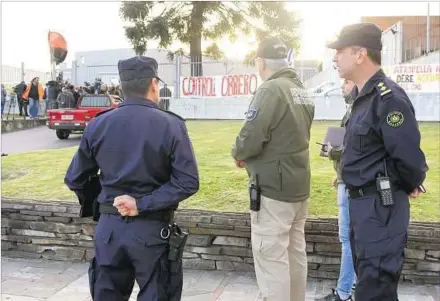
{"type": "Point", "coordinates": [366, 191]}
{"type": "Point", "coordinates": [363, 191]}
{"type": "Point", "coordinates": [161, 216]}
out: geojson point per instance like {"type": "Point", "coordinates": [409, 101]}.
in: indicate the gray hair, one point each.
{"type": "Point", "coordinates": [275, 65]}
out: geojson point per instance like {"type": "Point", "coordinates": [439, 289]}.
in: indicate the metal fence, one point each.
{"type": "Point", "coordinates": [11, 76]}
{"type": "Point", "coordinates": [421, 43]}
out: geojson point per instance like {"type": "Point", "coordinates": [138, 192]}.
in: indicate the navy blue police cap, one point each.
{"type": "Point", "coordinates": [366, 35]}
{"type": "Point", "coordinates": [138, 67]}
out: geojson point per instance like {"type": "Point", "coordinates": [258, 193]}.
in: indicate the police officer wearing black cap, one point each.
{"type": "Point", "coordinates": [382, 164]}
{"type": "Point", "coordinates": [147, 167]}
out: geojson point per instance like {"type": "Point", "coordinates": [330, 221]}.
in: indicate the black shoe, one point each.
{"type": "Point", "coordinates": [333, 297]}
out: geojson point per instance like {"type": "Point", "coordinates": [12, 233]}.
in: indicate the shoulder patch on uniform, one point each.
{"type": "Point", "coordinates": [174, 114]}
{"type": "Point", "coordinates": [383, 89]}
{"type": "Point", "coordinates": [251, 114]}
{"type": "Point", "coordinates": [395, 119]}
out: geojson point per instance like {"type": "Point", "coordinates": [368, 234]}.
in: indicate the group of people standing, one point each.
{"type": "Point", "coordinates": [379, 167]}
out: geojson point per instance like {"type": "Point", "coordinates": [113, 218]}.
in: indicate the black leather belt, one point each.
{"type": "Point", "coordinates": [364, 191]}
{"type": "Point", "coordinates": [161, 216]}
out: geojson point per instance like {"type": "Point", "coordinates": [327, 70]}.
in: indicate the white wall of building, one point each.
{"type": "Point", "coordinates": [392, 42]}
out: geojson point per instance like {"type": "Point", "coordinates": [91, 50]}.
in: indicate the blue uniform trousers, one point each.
{"type": "Point", "coordinates": [378, 238]}
{"type": "Point", "coordinates": [132, 249]}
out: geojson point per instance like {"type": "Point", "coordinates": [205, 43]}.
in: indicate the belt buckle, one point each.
{"type": "Point", "coordinates": [361, 192]}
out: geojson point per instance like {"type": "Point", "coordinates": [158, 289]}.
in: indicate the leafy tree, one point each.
{"type": "Point", "coordinates": [192, 22]}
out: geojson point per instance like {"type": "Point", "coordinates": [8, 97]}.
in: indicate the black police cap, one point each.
{"type": "Point", "coordinates": [138, 67]}
{"type": "Point", "coordinates": [366, 35]}
{"type": "Point", "coordinates": [272, 48]}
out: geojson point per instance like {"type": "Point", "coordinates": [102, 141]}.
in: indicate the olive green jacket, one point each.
{"type": "Point", "coordinates": [274, 140]}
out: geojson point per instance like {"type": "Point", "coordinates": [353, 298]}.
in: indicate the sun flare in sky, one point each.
{"type": "Point", "coordinates": [85, 29]}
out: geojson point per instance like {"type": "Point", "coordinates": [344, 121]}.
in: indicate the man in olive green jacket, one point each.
{"type": "Point", "coordinates": [273, 145]}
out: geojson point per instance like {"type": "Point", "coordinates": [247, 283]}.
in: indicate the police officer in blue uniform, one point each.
{"type": "Point", "coordinates": [147, 166]}
{"type": "Point", "coordinates": [382, 164]}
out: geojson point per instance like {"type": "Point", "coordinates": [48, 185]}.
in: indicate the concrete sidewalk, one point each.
{"type": "Point", "coordinates": [38, 280]}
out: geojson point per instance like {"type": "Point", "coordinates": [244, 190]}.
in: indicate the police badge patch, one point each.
{"type": "Point", "coordinates": [251, 114]}
{"type": "Point", "coordinates": [395, 119]}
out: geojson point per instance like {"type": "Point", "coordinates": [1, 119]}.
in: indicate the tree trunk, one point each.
{"type": "Point", "coordinates": [196, 38]}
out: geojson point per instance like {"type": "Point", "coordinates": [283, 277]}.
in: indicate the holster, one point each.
{"type": "Point", "coordinates": [92, 276]}
{"type": "Point", "coordinates": [177, 241]}
{"type": "Point", "coordinates": [88, 196]}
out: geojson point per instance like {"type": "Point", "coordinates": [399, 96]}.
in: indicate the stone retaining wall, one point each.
{"type": "Point", "coordinates": [21, 124]}
{"type": "Point", "coordinates": [217, 240]}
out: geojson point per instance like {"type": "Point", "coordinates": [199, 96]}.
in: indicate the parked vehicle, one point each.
{"type": "Point", "coordinates": [75, 120]}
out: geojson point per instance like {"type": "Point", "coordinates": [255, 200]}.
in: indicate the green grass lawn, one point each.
{"type": "Point", "coordinates": [223, 187]}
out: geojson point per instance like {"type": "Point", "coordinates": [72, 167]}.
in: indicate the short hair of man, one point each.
{"type": "Point", "coordinates": [374, 54]}
{"type": "Point", "coordinates": [275, 65]}
{"type": "Point", "coordinates": [136, 87]}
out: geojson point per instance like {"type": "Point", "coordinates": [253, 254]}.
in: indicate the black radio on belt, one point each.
{"type": "Point", "coordinates": [255, 195]}
{"type": "Point", "coordinates": [383, 184]}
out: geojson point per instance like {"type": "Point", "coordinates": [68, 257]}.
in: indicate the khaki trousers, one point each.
{"type": "Point", "coordinates": [279, 249]}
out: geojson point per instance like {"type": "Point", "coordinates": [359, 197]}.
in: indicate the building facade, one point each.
{"type": "Point", "coordinates": [419, 35]}
{"type": "Point", "coordinates": [89, 65]}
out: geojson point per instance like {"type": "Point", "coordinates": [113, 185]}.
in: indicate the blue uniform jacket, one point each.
{"type": "Point", "coordinates": [140, 151]}
{"type": "Point", "coordinates": [383, 125]}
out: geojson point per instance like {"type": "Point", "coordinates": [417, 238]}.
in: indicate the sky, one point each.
{"type": "Point", "coordinates": [97, 26]}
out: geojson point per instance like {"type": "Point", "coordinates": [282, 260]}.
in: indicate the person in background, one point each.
{"type": "Point", "coordinates": [22, 104]}
{"type": "Point", "coordinates": [66, 99]}
{"type": "Point", "coordinates": [52, 91]}
{"type": "Point", "coordinates": [75, 93]}
{"type": "Point", "coordinates": [103, 89]}
{"type": "Point", "coordinates": [3, 97]}
{"type": "Point", "coordinates": [347, 277]}
{"type": "Point", "coordinates": [34, 94]}
{"type": "Point", "coordinates": [165, 95]}
{"type": "Point", "coordinates": [97, 85]}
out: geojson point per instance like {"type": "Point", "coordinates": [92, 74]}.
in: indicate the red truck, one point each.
{"type": "Point", "coordinates": [68, 121]}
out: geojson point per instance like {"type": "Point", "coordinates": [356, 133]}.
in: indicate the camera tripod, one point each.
{"type": "Point", "coordinates": [12, 105]}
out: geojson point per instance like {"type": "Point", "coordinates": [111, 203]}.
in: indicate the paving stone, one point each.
{"type": "Point", "coordinates": [435, 254]}
{"type": "Point", "coordinates": [32, 233]}
{"type": "Point", "coordinates": [198, 264]}
{"type": "Point", "coordinates": [224, 266]}
{"type": "Point", "coordinates": [6, 297]}
{"type": "Point", "coordinates": [38, 213]}
{"type": "Point", "coordinates": [18, 206]}
{"type": "Point", "coordinates": [24, 217]}
{"type": "Point", "coordinates": [325, 247]}
{"type": "Point", "coordinates": [26, 287]}
{"type": "Point", "coordinates": [324, 260]}
{"type": "Point", "coordinates": [231, 241]}
{"type": "Point", "coordinates": [199, 240]}
{"type": "Point", "coordinates": [77, 290]}
{"type": "Point", "coordinates": [38, 280]}
{"type": "Point", "coordinates": [58, 219]}
{"type": "Point", "coordinates": [222, 258]}
{"type": "Point", "coordinates": [428, 266]}
{"type": "Point", "coordinates": [190, 255]}
{"type": "Point", "coordinates": [414, 254]}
